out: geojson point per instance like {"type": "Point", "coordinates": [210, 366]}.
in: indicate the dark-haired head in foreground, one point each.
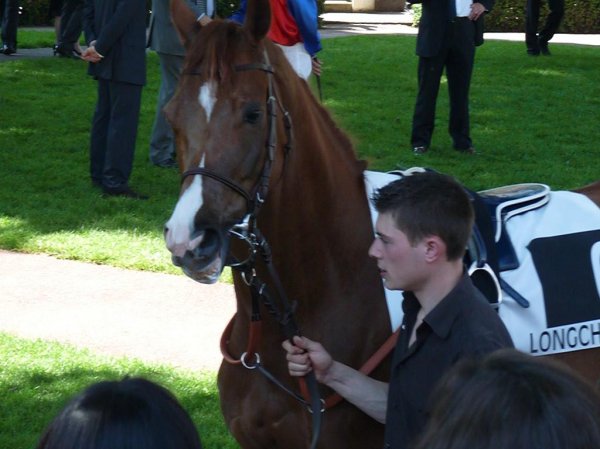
{"type": "Point", "coordinates": [128, 414]}
{"type": "Point", "coordinates": [511, 400]}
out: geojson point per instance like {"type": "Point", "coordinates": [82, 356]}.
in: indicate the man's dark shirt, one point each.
{"type": "Point", "coordinates": [462, 325]}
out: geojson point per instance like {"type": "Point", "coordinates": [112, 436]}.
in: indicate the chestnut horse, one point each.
{"type": "Point", "coordinates": [221, 122]}
{"type": "Point", "coordinates": [253, 142]}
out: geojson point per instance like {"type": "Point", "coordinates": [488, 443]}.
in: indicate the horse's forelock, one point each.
{"type": "Point", "coordinates": [214, 50]}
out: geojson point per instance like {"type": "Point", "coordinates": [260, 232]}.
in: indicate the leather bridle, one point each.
{"type": "Point", "coordinates": [248, 231]}
{"type": "Point", "coordinates": [258, 194]}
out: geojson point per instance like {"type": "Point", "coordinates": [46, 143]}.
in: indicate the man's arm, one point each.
{"type": "Point", "coordinates": [305, 14]}
{"type": "Point", "coordinates": [116, 26]}
{"type": "Point", "coordinates": [477, 10]}
{"type": "Point", "coordinates": [368, 394]}
{"type": "Point", "coordinates": [201, 14]}
{"type": "Point", "coordinates": [240, 14]}
{"type": "Point", "coordinates": [89, 29]}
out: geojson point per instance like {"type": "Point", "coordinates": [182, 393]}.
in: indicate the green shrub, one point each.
{"type": "Point", "coordinates": [581, 16]}
{"type": "Point", "coordinates": [37, 12]}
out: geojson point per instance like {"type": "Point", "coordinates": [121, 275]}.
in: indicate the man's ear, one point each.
{"type": "Point", "coordinates": [435, 248]}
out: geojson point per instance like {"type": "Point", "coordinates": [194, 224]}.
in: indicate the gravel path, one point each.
{"type": "Point", "coordinates": [154, 317]}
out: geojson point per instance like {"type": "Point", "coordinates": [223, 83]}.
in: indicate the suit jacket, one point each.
{"type": "Point", "coordinates": [435, 18]}
{"type": "Point", "coordinates": [119, 29]}
{"type": "Point", "coordinates": [163, 36]}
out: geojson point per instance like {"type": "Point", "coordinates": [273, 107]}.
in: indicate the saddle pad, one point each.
{"type": "Point", "coordinates": [558, 248]}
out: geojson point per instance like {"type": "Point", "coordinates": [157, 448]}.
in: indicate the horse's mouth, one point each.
{"type": "Point", "coordinates": [205, 263]}
{"type": "Point", "coordinates": [199, 271]}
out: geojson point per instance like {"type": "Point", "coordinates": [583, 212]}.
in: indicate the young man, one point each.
{"type": "Point", "coordinates": [9, 22]}
{"type": "Point", "coordinates": [538, 42]}
{"type": "Point", "coordinates": [424, 223]}
{"type": "Point", "coordinates": [449, 31]}
{"type": "Point", "coordinates": [294, 27]}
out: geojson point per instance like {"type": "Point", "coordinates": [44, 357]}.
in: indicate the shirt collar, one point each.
{"type": "Point", "coordinates": [440, 319]}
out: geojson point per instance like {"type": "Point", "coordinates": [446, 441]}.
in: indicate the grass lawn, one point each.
{"type": "Point", "coordinates": [37, 38]}
{"type": "Point", "coordinates": [533, 119]}
{"type": "Point", "coordinates": [38, 378]}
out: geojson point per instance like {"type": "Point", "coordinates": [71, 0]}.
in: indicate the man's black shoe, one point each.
{"type": "Point", "coordinates": [544, 48]}
{"type": "Point", "coordinates": [8, 50]}
{"type": "Point", "coordinates": [469, 150]}
{"type": "Point", "coordinates": [96, 183]}
{"type": "Point", "coordinates": [125, 192]}
{"type": "Point", "coordinates": [420, 149]}
{"type": "Point", "coordinates": [169, 163]}
{"type": "Point", "coordinates": [533, 51]}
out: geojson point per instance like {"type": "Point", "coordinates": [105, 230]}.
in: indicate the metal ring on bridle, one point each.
{"type": "Point", "coordinates": [243, 360]}
{"type": "Point", "coordinates": [322, 408]}
{"type": "Point", "coordinates": [247, 281]}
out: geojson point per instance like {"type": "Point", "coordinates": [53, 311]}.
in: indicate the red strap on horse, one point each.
{"type": "Point", "coordinates": [373, 362]}
{"type": "Point", "coordinates": [253, 341]}
{"type": "Point", "coordinates": [332, 400]}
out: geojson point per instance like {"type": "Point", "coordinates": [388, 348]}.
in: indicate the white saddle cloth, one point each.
{"type": "Point", "coordinates": [536, 237]}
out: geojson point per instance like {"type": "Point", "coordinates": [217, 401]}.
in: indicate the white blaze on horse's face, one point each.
{"type": "Point", "coordinates": [181, 224]}
{"type": "Point", "coordinates": [207, 97]}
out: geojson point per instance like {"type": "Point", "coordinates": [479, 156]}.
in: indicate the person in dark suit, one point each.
{"type": "Point", "coordinates": [449, 31]}
{"type": "Point", "coordinates": [163, 39]}
{"type": "Point", "coordinates": [71, 23]}
{"type": "Point", "coordinates": [538, 43]}
{"type": "Point", "coordinates": [115, 31]}
{"type": "Point", "coordinates": [9, 11]}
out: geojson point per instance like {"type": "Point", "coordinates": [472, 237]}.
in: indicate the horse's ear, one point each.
{"type": "Point", "coordinates": [258, 18]}
{"type": "Point", "coordinates": [185, 21]}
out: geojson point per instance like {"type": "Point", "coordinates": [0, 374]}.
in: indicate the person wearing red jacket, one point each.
{"type": "Point", "coordinates": [294, 28]}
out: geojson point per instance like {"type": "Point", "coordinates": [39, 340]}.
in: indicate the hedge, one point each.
{"type": "Point", "coordinates": [581, 16]}
{"type": "Point", "coordinates": [37, 12]}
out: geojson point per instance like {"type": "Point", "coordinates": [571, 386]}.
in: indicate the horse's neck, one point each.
{"type": "Point", "coordinates": [322, 181]}
{"type": "Point", "coordinates": [317, 217]}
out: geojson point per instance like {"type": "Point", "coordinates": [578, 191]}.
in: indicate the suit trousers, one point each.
{"type": "Point", "coordinates": [162, 145]}
{"type": "Point", "coordinates": [456, 55]}
{"type": "Point", "coordinates": [71, 24]}
{"type": "Point", "coordinates": [114, 132]}
{"type": "Point", "coordinates": [9, 11]}
{"type": "Point", "coordinates": [532, 17]}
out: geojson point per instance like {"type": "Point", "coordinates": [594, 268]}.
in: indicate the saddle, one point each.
{"type": "Point", "coordinates": [490, 250]}
{"type": "Point", "coordinates": [486, 256]}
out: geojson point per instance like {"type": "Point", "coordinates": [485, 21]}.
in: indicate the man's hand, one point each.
{"type": "Point", "coordinates": [316, 66]}
{"type": "Point", "coordinates": [91, 55]}
{"type": "Point", "coordinates": [305, 355]}
{"type": "Point", "coordinates": [477, 9]}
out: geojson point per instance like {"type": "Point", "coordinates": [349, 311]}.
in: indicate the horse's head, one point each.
{"type": "Point", "coordinates": [221, 121]}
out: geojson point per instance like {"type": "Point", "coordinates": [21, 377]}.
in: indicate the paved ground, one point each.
{"type": "Point", "coordinates": [155, 317]}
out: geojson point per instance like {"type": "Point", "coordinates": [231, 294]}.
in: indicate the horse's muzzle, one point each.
{"type": "Point", "coordinates": [205, 262]}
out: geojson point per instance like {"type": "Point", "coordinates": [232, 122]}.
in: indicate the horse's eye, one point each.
{"type": "Point", "coordinates": [252, 115]}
